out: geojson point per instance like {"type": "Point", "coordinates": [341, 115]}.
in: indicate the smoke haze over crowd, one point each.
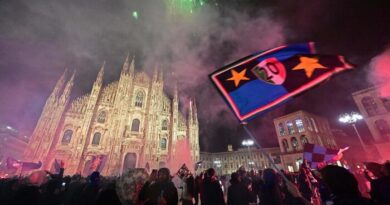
{"type": "Point", "coordinates": [39, 39]}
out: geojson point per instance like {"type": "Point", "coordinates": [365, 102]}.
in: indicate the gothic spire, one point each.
{"type": "Point", "coordinates": [125, 68]}
{"type": "Point", "coordinates": [59, 84]}
{"type": "Point", "coordinates": [190, 112]}
{"type": "Point", "coordinates": [68, 87]}
{"type": "Point", "coordinates": [131, 68]}
{"type": "Point", "coordinates": [175, 93]}
{"type": "Point", "coordinates": [195, 110]}
{"type": "Point", "coordinates": [99, 78]}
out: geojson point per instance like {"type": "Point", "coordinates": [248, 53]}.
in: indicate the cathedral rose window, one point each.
{"type": "Point", "coordinates": [67, 136]}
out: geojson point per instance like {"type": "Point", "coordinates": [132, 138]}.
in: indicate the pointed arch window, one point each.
{"type": "Point", "coordinates": [101, 117]}
{"type": "Point", "coordinates": [139, 99]}
{"type": "Point", "coordinates": [285, 145]}
{"type": "Point", "coordinates": [67, 136]}
{"type": "Point", "coordinates": [164, 125]}
{"type": "Point", "coordinates": [382, 126]}
{"type": "Point", "coordinates": [135, 125]}
{"type": "Point", "coordinates": [386, 103]}
{"type": "Point", "coordinates": [282, 131]}
{"type": "Point", "coordinates": [163, 143]}
{"type": "Point", "coordinates": [304, 140]}
{"type": "Point", "coordinates": [299, 124]}
{"type": "Point", "coordinates": [290, 127]}
{"type": "Point", "coordinates": [294, 143]}
{"type": "Point", "coordinates": [370, 105]}
{"type": "Point", "coordinates": [96, 138]}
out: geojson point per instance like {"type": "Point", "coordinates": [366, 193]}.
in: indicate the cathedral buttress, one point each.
{"type": "Point", "coordinates": [120, 117]}
{"type": "Point", "coordinates": [44, 137]}
{"type": "Point", "coordinates": [85, 129]}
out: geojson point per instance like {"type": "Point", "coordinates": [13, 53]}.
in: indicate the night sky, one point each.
{"type": "Point", "coordinates": [38, 39]}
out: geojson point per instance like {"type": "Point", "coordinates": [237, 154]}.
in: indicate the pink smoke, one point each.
{"type": "Point", "coordinates": [380, 73]}
{"type": "Point", "coordinates": [181, 155]}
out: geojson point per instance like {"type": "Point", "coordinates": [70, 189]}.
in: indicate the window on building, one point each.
{"type": "Point", "coordinates": [304, 139]}
{"type": "Point", "coordinates": [299, 124]}
{"type": "Point", "coordinates": [67, 136]}
{"type": "Point", "coordinates": [370, 105]}
{"type": "Point", "coordinates": [290, 127]}
{"type": "Point", "coordinates": [135, 125]}
{"type": "Point", "coordinates": [294, 143]}
{"type": "Point", "coordinates": [382, 126]}
{"type": "Point", "coordinates": [164, 125]}
{"type": "Point", "coordinates": [282, 131]}
{"type": "Point", "coordinates": [285, 145]}
{"type": "Point", "coordinates": [313, 124]}
{"type": "Point", "coordinates": [386, 104]}
{"type": "Point", "coordinates": [101, 117]}
{"type": "Point", "coordinates": [96, 138]}
{"type": "Point", "coordinates": [308, 124]}
{"type": "Point", "coordinates": [163, 144]}
{"type": "Point", "coordinates": [139, 99]}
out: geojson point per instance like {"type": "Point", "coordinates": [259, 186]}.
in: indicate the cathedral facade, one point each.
{"type": "Point", "coordinates": [128, 123]}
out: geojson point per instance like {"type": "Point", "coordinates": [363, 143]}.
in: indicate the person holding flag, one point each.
{"type": "Point", "coordinates": [264, 80]}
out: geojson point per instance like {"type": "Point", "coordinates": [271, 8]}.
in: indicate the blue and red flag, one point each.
{"type": "Point", "coordinates": [263, 80]}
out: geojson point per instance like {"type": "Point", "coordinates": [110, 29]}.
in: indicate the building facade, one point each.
{"type": "Point", "coordinates": [296, 129]}
{"type": "Point", "coordinates": [129, 123]}
{"type": "Point", "coordinates": [228, 162]}
{"type": "Point", "coordinates": [376, 113]}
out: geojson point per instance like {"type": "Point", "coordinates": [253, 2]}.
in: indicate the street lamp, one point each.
{"type": "Point", "coordinates": [352, 118]}
{"type": "Point", "coordinates": [248, 143]}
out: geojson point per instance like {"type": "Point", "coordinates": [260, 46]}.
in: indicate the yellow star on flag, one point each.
{"type": "Point", "coordinates": [309, 65]}
{"type": "Point", "coordinates": [237, 77]}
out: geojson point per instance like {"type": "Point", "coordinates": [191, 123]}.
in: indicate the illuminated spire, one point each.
{"type": "Point", "coordinates": [190, 116]}
{"type": "Point", "coordinates": [99, 78]}
{"type": "Point", "coordinates": [131, 67]}
{"type": "Point", "coordinates": [59, 85]}
{"type": "Point", "coordinates": [175, 93]}
{"type": "Point", "coordinates": [195, 110]}
{"type": "Point", "coordinates": [68, 88]}
{"type": "Point", "coordinates": [125, 67]}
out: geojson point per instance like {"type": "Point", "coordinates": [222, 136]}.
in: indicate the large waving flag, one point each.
{"type": "Point", "coordinates": [263, 80]}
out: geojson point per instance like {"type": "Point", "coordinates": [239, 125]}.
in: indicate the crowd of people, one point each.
{"type": "Point", "coordinates": [330, 185]}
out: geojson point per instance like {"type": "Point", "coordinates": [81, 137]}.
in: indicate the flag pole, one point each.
{"type": "Point", "coordinates": [288, 182]}
{"type": "Point", "coordinates": [244, 124]}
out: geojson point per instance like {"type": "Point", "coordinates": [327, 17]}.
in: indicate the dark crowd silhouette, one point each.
{"type": "Point", "coordinates": [329, 185]}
